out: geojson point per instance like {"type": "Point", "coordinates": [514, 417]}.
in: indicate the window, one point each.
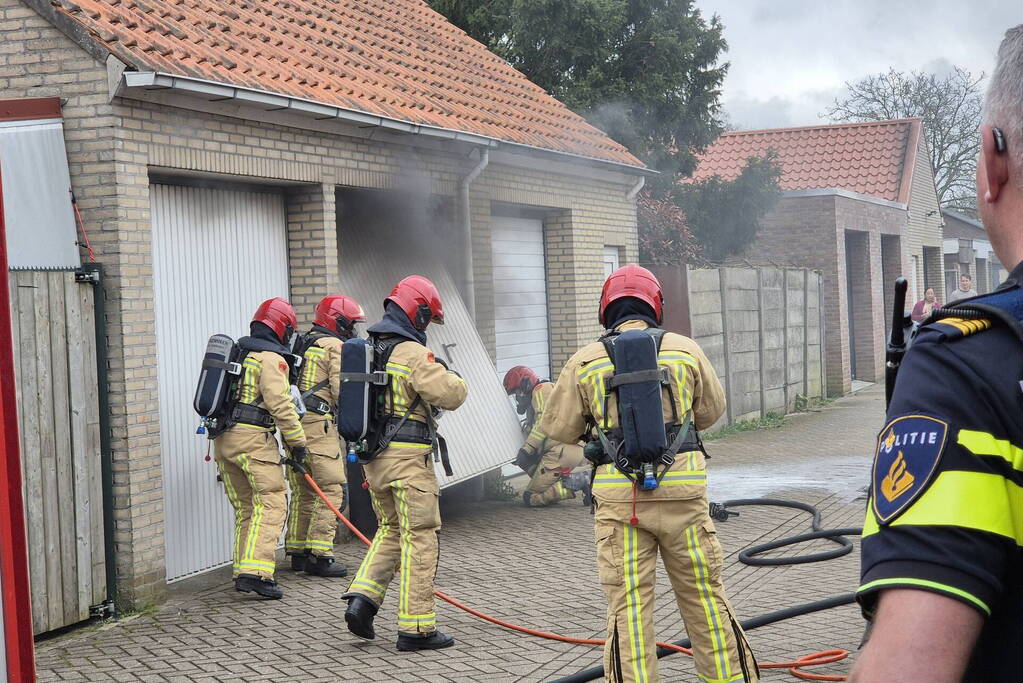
{"type": "Point", "coordinates": [611, 258]}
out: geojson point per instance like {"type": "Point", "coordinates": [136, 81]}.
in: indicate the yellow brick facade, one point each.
{"type": "Point", "coordinates": [114, 147]}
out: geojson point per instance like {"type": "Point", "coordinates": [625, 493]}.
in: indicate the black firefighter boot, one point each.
{"type": "Point", "coordinates": [408, 642]}
{"type": "Point", "coordinates": [298, 561]}
{"type": "Point", "coordinates": [359, 615]}
{"type": "Point", "coordinates": [324, 566]}
{"type": "Point", "coordinates": [268, 588]}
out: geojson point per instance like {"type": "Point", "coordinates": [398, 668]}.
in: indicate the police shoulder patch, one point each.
{"type": "Point", "coordinates": [908, 451]}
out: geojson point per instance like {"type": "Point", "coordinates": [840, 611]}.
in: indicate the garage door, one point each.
{"type": "Point", "coordinates": [216, 255]}
{"type": "Point", "coordinates": [520, 295]}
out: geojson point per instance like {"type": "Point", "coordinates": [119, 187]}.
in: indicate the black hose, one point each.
{"type": "Point", "coordinates": [749, 555]}
{"type": "Point", "coordinates": [748, 625]}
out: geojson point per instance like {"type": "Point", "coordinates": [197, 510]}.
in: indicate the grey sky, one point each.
{"type": "Point", "coordinates": [790, 58]}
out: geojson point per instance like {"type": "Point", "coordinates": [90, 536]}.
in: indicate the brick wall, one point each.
{"type": "Point", "coordinates": [111, 149]}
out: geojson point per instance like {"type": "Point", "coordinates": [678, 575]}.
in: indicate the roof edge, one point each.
{"type": "Point", "coordinates": [853, 124]}
{"type": "Point", "coordinates": [132, 81]}
{"type": "Point", "coordinates": [848, 194]}
{"type": "Point", "coordinates": [963, 218]}
{"type": "Point", "coordinates": [70, 28]}
{"type": "Point", "coordinates": [916, 127]}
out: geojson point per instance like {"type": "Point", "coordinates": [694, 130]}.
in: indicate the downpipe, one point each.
{"type": "Point", "coordinates": [467, 264]}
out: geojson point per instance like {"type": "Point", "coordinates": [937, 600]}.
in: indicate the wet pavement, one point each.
{"type": "Point", "coordinates": [532, 566]}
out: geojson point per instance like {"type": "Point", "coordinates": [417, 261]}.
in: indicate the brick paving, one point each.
{"type": "Point", "coordinates": [531, 566]}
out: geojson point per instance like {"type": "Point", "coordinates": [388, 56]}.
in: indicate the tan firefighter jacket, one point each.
{"type": "Point", "coordinates": [265, 384]}
{"type": "Point", "coordinates": [322, 363]}
{"type": "Point", "coordinates": [578, 401]}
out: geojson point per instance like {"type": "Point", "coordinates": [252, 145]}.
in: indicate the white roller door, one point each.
{"type": "Point", "coordinates": [216, 255]}
{"type": "Point", "coordinates": [520, 295]}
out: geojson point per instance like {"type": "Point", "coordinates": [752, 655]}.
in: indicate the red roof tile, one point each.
{"type": "Point", "coordinates": [875, 158]}
{"type": "Point", "coordinates": [394, 58]}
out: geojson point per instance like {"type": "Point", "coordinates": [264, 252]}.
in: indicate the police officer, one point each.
{"type": "Point", "coordinates": [633, 525]}
{"type": "Point", "coordinates": [402, 483]}
{"type": "Point", "coordinates": [247, 453]}
{"type": "Point", "coordinates": [941, 554]}
{"type": "Point", "coordinates": [311, 524]}
{"type": "Point", "coordinates": [547, 462]}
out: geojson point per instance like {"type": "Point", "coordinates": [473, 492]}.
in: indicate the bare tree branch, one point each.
{"type": "Point", "coordinates": [951, 108]}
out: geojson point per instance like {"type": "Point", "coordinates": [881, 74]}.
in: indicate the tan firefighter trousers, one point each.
{"type": "Point", "coordinates": [545, 484]}
{"type": "Point", "coordinates": [249, 464]}
{"type": "Point", "coordinates": [683, 533]}
{"type": "Point", "coordinates": [311, 524]}
{"type": "Point", "coordinates": [404, 490]}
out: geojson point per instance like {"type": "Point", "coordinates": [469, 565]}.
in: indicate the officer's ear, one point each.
{"type": "Point", "coordinates": [994, 164]}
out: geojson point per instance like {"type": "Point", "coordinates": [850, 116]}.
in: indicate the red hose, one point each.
{"type": "Point", "coordinates": [814, 659]}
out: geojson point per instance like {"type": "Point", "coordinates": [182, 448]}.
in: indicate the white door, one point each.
{"type": "Point", "coordinates": [520, 295]}
{"type": "Point", "coordinates": [216, 255]}
{"type": "Point", "coordinates": [611, 257]}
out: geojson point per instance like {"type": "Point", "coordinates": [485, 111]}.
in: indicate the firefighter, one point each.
{"type": "Point", "coordinates": [247, 453]}
{"type": "Point", "coordinates": [633, 525]}
{"type": "Point", "coordinates": [311, 524]}
{"type": "Point", "coordinates": [548, 463]}
{"type": "Point", "coordinates": [401, 480]}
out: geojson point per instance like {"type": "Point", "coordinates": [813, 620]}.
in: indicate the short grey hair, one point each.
{"type": "Point", "coordinates": [1003, 106]}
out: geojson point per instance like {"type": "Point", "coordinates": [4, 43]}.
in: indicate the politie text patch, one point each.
{"type": "Point", "coordinates": [908, 452]}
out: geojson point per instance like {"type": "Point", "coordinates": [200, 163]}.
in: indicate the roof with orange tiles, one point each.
{"type": "Point", "coordinates": [875, 158]}
{"type": "Point", "coordinates": [394, 58]}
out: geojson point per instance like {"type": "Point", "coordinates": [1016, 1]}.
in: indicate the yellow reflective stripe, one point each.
{"type": "Point", "coordinates": [970, 500]}
{"type": "Point", "coordinates": [405, 536]}
{"type": "Point", "coordinates": [416, 620]}
{"type": "Point", "coordinates": [587, 371]}
{"type": "Point", "coordinates": [870, 526]}
{"type": "Point", "coordinates": [399, 369]}
{"type": "Point", "coordinates": [982, 443]}
{"type": "Point", "coordinates": [670, 479]}
{"type": "Point", "coordinates": [257, 515]}
{"type": "Point", "coordinates": [923, 583]}
{"type": "Point", "coordinates": [291, 539]}
{"type": "Point", "coordinates": [383, 529]}
{"type": "Point", "coordinates": [257, 564]}
{"type": "Point", "coordinates": [248, 391]}
{"type": "Point", "coordinates": [409, 446]}
{"type": "Point", "coordinates": [232, 497]}
{"type": "Point", "coordinates": [710, 608]}
{"type": "Point", "coordinates": [319, 545]}
{"type": "Point", "coordinates": [634, 603]}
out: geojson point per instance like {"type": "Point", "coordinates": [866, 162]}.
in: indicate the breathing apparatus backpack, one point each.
{"type": "Point", "coordinates": [363, 419]}
{"type": "Point", "coordinates": [643, 447]}
{"type": "Point", "coordinates": [216, 393]}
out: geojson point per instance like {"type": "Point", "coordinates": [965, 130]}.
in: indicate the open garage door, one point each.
{"type": "Point", "coordinates": [216, 255]}
{"type": "Point", "coordinates": [382, 241]}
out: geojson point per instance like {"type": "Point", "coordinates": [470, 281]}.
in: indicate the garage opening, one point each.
{"type": "Point", "coordinates": [384, 236]}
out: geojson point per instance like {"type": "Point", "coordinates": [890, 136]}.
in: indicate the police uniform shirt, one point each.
{"type": "Point", "coordinates": [946, 505]}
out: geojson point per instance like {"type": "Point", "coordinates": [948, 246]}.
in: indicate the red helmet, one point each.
{"type": "Point", "coordinates": [420, 300]}
{"type": "Point", "coordinates": [279, 316]}
{"type": "Point", "coordinates": [635, 281]}
{"type": "Point", "coordinates": [339, 313]}
{"type": "Point", "coordinates": [517, 376]}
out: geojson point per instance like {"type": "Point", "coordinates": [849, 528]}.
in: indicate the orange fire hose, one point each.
{"type": "Point", "coordinates": [794, 667]}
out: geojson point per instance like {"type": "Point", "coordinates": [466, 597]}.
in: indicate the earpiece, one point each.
{"type": "Point", "coordinates": [999, 140]}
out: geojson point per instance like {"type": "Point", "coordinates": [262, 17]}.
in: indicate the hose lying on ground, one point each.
{"type": "Point", "coordinates": [663, 649]}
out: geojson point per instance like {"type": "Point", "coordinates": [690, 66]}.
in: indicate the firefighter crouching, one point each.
{"type": "Point", "coordinates": [548, 463]}
{"type": "Point", "coordinates": [637, 518]}
{"type": "Point", "coordinates": [401, 479]}
{"type": "Point", "coordinates": [247, 454]}
{"type": "Point", "coordinates": [311, 524]}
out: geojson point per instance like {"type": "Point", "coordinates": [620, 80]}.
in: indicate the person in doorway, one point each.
{"type": "Point", "coordinates": [633, 524]}
{"type": "Point", "coordinates": [401, 480]}
{"type": "Point", "coordinates": [311, 524]}
{"type": "Point", "coordinates": [923, 308]}
{"type": "Point", "coordinates": [942, 540]}
{"type": "Point", "coordinates": [548, 463]}
{"type": "Point", "coordinates": [965, 290]}
{"type": "Point", "coordinates": [247, 453]}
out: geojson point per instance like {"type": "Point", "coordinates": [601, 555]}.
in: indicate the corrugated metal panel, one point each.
{"type": "Point", "coordinates": [484, 432]}
{"type": "Point", "coordinates": [216, 255]}
{"type": "Point", "coordinates": [37, 196]}
{"type": "Point", "coordinates": [520, 294]}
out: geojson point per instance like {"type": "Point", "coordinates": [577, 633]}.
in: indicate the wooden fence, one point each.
{"type": "Point", "coordinates": [58, 412]}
